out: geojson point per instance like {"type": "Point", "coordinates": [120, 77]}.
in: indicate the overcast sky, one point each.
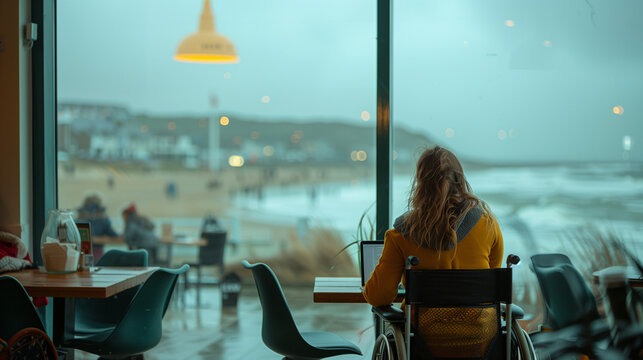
{"type": "Point", "coordinates": [497, 80]}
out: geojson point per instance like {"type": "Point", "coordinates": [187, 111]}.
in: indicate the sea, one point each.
{"type": "Point", "coordinates": [539, 208]}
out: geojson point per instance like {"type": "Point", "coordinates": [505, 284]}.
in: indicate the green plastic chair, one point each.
{"type": "Point", "coordinates": [17, 312]}
{"type": "Point", "coordinates": [139, 329]}
{"type": "Point", "coordinates": [93, 314]}
{"type": "Point", "coordinates": [118, 257]}
{"type": "Point", "coordinates": [278, 329]}
{"type": "Point", "coordinates": [567, 299]}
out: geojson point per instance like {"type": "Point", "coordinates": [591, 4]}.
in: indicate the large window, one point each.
{"type": "Point", "coordinates": [541, 102]}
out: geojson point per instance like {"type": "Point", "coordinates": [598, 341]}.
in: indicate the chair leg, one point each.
{"type": "Point", "coordinates": [198, 286]}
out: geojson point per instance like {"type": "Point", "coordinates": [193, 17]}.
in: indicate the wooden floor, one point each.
{"type": "Point", "coordinates": [211, 333]}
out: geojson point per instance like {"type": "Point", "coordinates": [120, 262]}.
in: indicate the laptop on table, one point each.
{"type": "Point", "coordinates": [370, 252]}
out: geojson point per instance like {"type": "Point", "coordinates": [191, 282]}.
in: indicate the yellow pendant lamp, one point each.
{"type": "Point", "coordinates": [206, 45]}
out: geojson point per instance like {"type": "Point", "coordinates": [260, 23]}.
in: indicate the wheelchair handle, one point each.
{"type": "Point", "coordinates": [412, 261]}
{"type": "Point", "coordinates": [512, 260]}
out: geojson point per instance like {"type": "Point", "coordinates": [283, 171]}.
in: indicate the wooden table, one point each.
{"type": "Point", "coordinates": [101, 283]}
{"type": "Point", "coordinates": [341, 290]}
{"type": "Point", "coordinates": [633, 275]}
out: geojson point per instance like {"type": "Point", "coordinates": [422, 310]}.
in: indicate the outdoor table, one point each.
{"type": "Point", "coordinates": [341, 290]}
{"type": "Point", "coordinates": [634, 277]}
{"type": "Point", "coordinates": [101, 282]}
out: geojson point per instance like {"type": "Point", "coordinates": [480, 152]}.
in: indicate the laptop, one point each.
{"type": "Point", "coordinates": [370, 252]}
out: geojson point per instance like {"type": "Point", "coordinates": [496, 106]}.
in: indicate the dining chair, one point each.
{"type": "Point", "coordinates": [209, 255]}
{"type": "Point", "coordinates": [278, 329]}
{"type": "Point", "coordinates": [17, 312]}
{"type": "Point", "coordinates": [91, 314]}
{"type": "Point", "coordinates": [567, 299]}
{"type": "Point", "coordinates": [140, 327]}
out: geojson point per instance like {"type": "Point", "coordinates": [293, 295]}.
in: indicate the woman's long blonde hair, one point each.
{"type": "Point", "coordinates": [440, 196]}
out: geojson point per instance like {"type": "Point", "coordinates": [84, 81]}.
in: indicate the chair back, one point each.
{"type": "Point", "coordinates": [118, 257]}
{"type": "Point", "coordinates": [456, 313]}
{"type": "Point", "coordinates": [17, 312]}
{"type": "Point", "coordinates": [140, 327]}
{"type": "Point", "coordinates": [567, 299]}
{"type": "Point", "coordinates": [91, 313]}
{"type": "Point", "coordinates": [278, 329]}
{"type": "Point", "coordinates": [212, 252]}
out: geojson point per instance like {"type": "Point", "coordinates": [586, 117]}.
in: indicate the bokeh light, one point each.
{"type": "Point", "coordinates": [236, 161]}
{"type": "Point", "coordinates": [547, 43]}
{"type": "Point", "coordinates": [254, 135]}
{"type": "Point", "coordinates": [449, 132]}
{"type": "Point", "coordinates": [268, 150]}
{"type": "Point", "coordinates": [366, 115]}
{"type": "Point", "coordinates": [171, 125]}
{"type": "Point", "coordinates": [627, 143]}
{"type": "Point", "coordinates": [618, 110]}
{"type": "Point", "coordinates": [265, 99]}
{"type": "Point", "coordinates": [510, 23]}
{"type": "Point", "coordinates": [502, 134]}
{"type": "Point", "coordinates": [224, 121]}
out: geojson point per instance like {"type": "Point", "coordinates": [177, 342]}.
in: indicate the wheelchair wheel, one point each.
{"type": "Point", "coordinates": [523, 343]}
{"type": "Point", "coordinates": [389, 345]}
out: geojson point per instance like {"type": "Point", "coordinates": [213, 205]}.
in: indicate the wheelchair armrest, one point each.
{"type": "Point", "coordinates": [517, 312]}
{"type": "Point", "coordinates": [389, 313]}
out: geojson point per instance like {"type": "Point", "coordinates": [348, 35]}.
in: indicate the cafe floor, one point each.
{"type": "Point", "coordinates": [210, 332]}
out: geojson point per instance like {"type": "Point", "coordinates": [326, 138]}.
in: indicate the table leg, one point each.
{"type": "Point", "coordinates": [64, 323]}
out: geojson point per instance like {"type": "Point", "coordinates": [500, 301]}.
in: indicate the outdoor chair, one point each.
{"type": "Point", "coordinates": [454, 314]}
{"type": "Point", "coordinates": [139, 329]}
{"type": "Point", "coordinates": [93, 314]}
{"type": "Point", "coordinates": [209, 255]}
{"type": "Point", "coordinates": [17, 312]}
{"type": "Point", "coordinates": [278, 329]}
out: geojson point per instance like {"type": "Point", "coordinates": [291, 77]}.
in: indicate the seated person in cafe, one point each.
{"type": "Point", "coordinates": [440, 198]}
{"type": "Point", "coordinates": [139, 232]}
{"type": "Point", "coordinates": [93, 210]}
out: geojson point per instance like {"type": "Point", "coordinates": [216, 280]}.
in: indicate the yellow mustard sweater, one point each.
{"type": "Point", "coordinates": [481, 249]}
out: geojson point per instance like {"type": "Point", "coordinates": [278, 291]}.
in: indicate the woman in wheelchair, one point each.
{"type": "Point", "coordinates": [447, 227]}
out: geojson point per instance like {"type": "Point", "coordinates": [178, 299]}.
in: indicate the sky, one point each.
{"type": "Point", "coordinates": [507, 81]}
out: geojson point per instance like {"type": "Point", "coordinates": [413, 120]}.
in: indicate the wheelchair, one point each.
{"type": "Point", "coordinates": [453, 314]}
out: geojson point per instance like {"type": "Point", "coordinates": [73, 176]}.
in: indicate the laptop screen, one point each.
{"type": "Point", "coordinates": [370, 252]}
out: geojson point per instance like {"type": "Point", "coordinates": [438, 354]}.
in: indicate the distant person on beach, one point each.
{"type": "Point", "coordinates": [446, 227]}
{"type": "Point", "coordinates": [170, 190]}
{"type": "Point", "coordinates": [93, 210]}
{"type": "Point", "coordinates": [139, 232]}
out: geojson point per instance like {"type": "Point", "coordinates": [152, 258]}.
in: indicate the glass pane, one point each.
{"type": "Point", "coordinates": [279, 148]}
{"type": "Point", "coordinates": [540, 101]}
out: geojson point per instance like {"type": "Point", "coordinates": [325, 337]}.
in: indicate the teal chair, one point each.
{"type": "Point", "coordinates": [117, 257]}
{"type": "Point", "coordinates": [278, 329]}
{"type": "Point", "coordinates": [567, 299]}
{"type": "Point", "coordinates": [17, 312]}
{"type": "Point", "coordinates": [93, 314]}
{"type": "Point", "coordinates": [139, 329]}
